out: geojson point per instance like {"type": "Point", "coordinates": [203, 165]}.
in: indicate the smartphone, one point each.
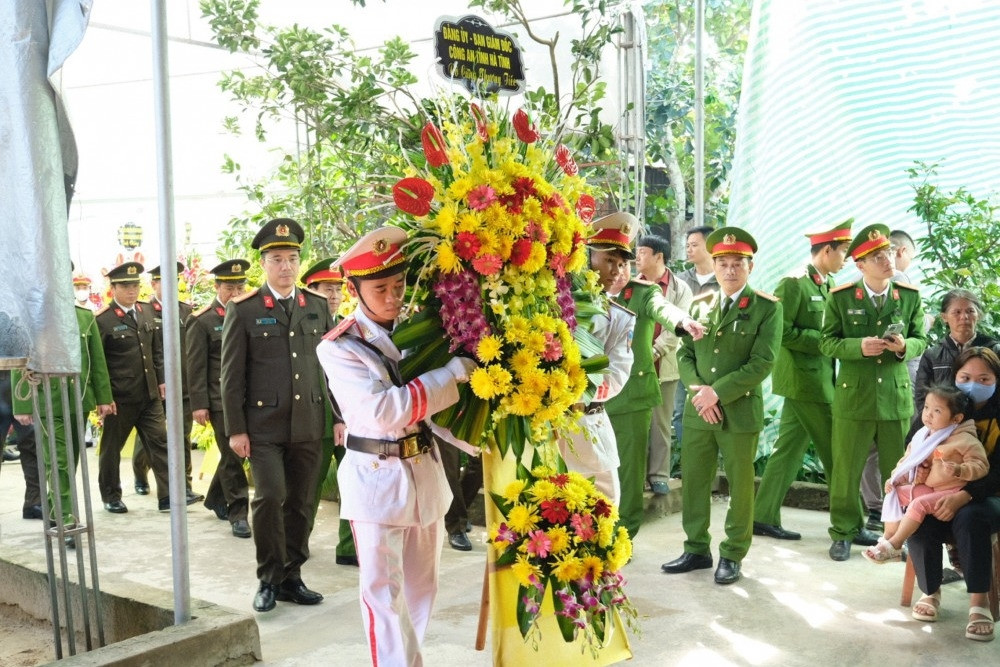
{"type": "Point", "coordinates": [894, 329]}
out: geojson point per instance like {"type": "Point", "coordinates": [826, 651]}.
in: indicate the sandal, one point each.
{"type": "Point", "coordinates": [986, 623]}
{"type": "Point", "coordinates": [882, 552]}
{"type": "Point", "coordinates": [931, 602]}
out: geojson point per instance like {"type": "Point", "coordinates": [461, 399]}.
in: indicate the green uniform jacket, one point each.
{"type": "Point", "coordinates": [646, 300]}
{"type": "Point", "coordinates": [94, 381]}
{"type": "Point", "coordinates": [802, 371]}
{"type": "Point", "coordinates": [872, 388]}
{"type": "Point", "coordinates": [133, 351]}
{"type": "Point", "coordinates": [733, 357]}
{"type": "Point", "coordinates": [204, 357]}
{"type": "Point", "coordinates": [273, 386]}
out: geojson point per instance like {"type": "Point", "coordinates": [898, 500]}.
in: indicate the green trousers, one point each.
{"type": "Point", "coordinates": [632, 435]}
{"type": "Point", "coordinates": [699, 463]}
{"type": "Point", "coordinates": [62, 481]}
{"type": "Point", "coordinates": [801, 422]}
{"type": "Point", "coordinates": [851, 442]}
{"type": "Point", "coordinates": [345, 543]}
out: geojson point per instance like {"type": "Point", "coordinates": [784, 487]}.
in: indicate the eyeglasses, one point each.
{"type": "Point", "coordinates": [292, 261]}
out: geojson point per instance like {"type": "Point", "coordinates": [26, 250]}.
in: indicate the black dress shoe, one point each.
{"type": "Point", "coordinates": [865, 538]}
{"type": "Point", "coordinates": [686, 563]}
{"type": "Point", "coordinates": [777, 532]}
{"type": "Point", "coordinates": [264, 600]}
{"type": "Point", "coordinates": [293, 590]}
{"type": "Point", "coordinates": [193, 497]}
{"type": "Point", "coordinates": [116, 507]}
{"type": "Point", "coordinates": [728, 572]}
{"type": "Point", "coordinates": [241, 528]}
{"type": "Point", "coordinates": [221, 511]}
{"type": "Point", "coordinates": [347, 560]}
{"type": "Point", "coordinates": [459, 542]}
{"type": "Point", "coordinates": [142, 488]}
{"type": "Point", "coordinates": [840, 550]}
{"type": "Point", "coordinates": [468, 526]}
{"type": "Point", "coordinates": [32, 512]}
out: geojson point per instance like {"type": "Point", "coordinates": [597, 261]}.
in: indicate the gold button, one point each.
{"type": "Point", "coordinates": [265, 334]}
{"type": "Point", "coordinates": [718, 333]}
{"type": "Point", "coordinates": [294, 355]}
{"type": "Point", "coordinates": [296, 376]}
{"type": "Point", "coordinates": [713, 370]}
{"type": "Point", "coordinates": [878, 361]}
{"type": "Point", "coordinates": [748, 393]}
{"type": "Point", "coordinates": [260, 404]}
{"type": "Point", "coordinates": [879, 322]}
{"type": "Point", "coordinates": [416, 460]}
{"type": "Point", "coordinates": [880, 380]}
{"type": "Point", "coordinates": [844, 385]}
{"type": "Point", "coordinates": [291, 333]}
{"type": "Point", "coordinates": [374, 465]}
{"type": "Point", "coordinates": [716, 350]}
{"type": "Point", "coordinates": [296, 397]}
{"type": "Point", "coordinates": [640, 373]}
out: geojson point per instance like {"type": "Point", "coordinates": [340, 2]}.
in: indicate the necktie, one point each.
{"type": "Point", "coordinates": [726, 305]}
{"type": "Point", "coordinates": [287, 305]}
{"type": "Point", "coordinates": [879, 300]}
{"type": "Point", "coordinates": [131, 317]}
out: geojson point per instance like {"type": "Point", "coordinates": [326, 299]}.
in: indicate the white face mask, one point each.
{"type": "Point", "coordinates": [82, 294]}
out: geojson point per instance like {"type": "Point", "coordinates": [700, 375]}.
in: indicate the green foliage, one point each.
{"type": "Point", "coordinates": [670, 105]}
{"type": "Point", "coordinates": [958, 250]}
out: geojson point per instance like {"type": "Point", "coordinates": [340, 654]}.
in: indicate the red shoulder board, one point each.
{"type": "Point", "coordinates": [744, 302]}
{"type": "Point", "coordinates": [335, 332]}
{"type": "Point", "coordinates": [138, 307]}
{"type": "Point", "coordinates": [119, 312]}
{"type": "Point", "coordinates": [157, 307]}
{"type": "Point", "coordinates": [268, 301]}
{"type": "Point", "coordinates": [302, 299]}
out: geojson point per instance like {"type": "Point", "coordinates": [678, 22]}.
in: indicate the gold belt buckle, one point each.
{"type": "Point", "coordinates": [411, 446]}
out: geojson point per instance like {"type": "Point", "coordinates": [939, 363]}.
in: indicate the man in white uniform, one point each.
{"type": "Point", "coordinates": [392, 484]}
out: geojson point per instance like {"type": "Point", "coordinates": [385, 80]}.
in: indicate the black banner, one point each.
{"type": "Point", "coordinates": [486, 61]}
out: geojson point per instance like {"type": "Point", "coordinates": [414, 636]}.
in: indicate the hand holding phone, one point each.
{"type": "Point", "coordinates": [894, 329]}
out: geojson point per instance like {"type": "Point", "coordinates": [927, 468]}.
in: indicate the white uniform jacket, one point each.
{"type": "Point", "coordinates": [595, 448]}
{"type": "Point", "coordinates": [391, 491]}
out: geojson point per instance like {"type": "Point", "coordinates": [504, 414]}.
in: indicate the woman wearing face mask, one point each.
{"type": "Point", "coordinates": [960, 310]}
{"type": "Point", "coordinates": [969, 517]}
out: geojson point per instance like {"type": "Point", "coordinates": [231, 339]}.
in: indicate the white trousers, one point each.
{"type": "Point", "coordinates": [398, 580]}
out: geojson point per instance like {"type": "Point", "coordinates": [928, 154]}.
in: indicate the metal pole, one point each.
{"type": "Point", "coordinates": [171, 315]}
{"type": "Point", "coordinates": [699, 114]}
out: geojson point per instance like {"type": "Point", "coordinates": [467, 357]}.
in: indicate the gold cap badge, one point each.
{"type": "Point", "coordinates": [874, 235]}
{"type": "Point", "coordinates": [131, 271]}
{"type": "Point", "coordinates": [281, 230]}
{"type": "Point", "coordinates": [380, 247]}
{"type": "Point", "coordinates": [729, 239]}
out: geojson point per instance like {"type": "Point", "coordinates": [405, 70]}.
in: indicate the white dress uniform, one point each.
{"type": "Point", "coordinates": [396, 506]}
{"type": "Point", "coordinates": [593, 451]}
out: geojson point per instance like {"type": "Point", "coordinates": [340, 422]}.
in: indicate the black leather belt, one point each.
{"type": "Point", "coordinates": [404, 448]}
{"type": "Point", "coordinates": [594, 408]}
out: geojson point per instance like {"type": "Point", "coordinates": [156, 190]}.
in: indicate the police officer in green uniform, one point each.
{"type": "Point", "coordinates": [227, 493]}
{"type": "Point", "coordinates": [723, 373]}
{"type": "Point", "coordinates": [328, 280]}
{"type": "Point", "coordinates": [140, 462]}
{"type": "Point", "coordinates": [873, 326]}
{"type": "Point", "coordinates": [274, 396]}
{"type": "Point", "coordinates": [802, 375]}
{"type": "Point", "coordinates": [134, 354]}
{"type": "Point", "coordinates": [631, 411]}
{"type": "Point", "coordinates": [95, 391]}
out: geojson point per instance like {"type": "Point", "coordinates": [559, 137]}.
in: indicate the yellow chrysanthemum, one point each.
{"type": "Point", "coordinates": [536, 259]}
{"type": "Point", "coordinates": [489, 349]}
{"type": "Point", "coordinates": [568, 568]}
{"type": "Point", "coordinates": [522, 519]}
{"type": "Point", "coordinates": [593, 566]}
{"type": "Point", "coordinates": [535, 341]}
{"type": "Point", "coordinates": [523, 362]}
{"type": "Point", "coordinates": [524, 571]}
{"type": "Point", "coordinates": [560, 539]}
{"type": "Point", "coordinates": [542, 472]}
{"type": "Point", "coordinates": [502, 379]}
{"type": "Point", "coordinates": [482, 384]}
{"type": "Point", "coordinates": [469, 221]}
{"type": "Point", "coordinates": [460, 187]}
{"type": "Point", "coordinates": [621, 552]}
{"type": "Point", "coordinates": [605, 531]}
{"type": "Point", "coordinates": [445, 219]}
{"type": "Point", "coordinates": [517, 329]}
{"type": "Point", "coordinates": [543, 490]}
{"type": "Point", "coordinates": [447, 260]}
{"type": "Point", "coordinates": [535, 383]}
{"type": "Point", "coordinates": [524, 404]}
{"type": "Point", "coordinates": [513, 490]}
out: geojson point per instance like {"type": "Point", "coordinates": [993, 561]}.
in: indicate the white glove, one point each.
{"type": "Point", "coordinates": [460, 367]}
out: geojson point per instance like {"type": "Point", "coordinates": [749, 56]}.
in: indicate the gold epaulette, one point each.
{"type": "Point", "coordinates": [246, 295]}
{"type": "Point", "coordinates": [105, 308]}
{"type": "Point", "coordinates": [335, 332]}
{"type": "Point", "coordinates": [621, 307]}
{"type": "Point", "coordinates": [199, 313]}
{"type": "Point", "coordinates": [313, 292]}
{"type": "Point", "coordinates": [765, 295]}
{"type": "Point", "coordinates": [842, 287]}
{"type": "Point", "coordinates": [906, 286]}
{"type": "Point", "coordinates": [640, 281]}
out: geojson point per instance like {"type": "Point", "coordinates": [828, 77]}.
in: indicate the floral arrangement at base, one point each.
{"type": "Point", "coordinates": [561, 533]}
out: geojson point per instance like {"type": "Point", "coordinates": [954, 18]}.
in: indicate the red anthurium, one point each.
{"type": "Point", "coordinates": [434, 146]}
{"type": "Point", "coordinates": [413, 196]}
{"type": "Point", "coordinates": [565, 160]}
{"type": "Point", "coordinates": [585, 207]}
{"type": "Point", "coordinates": [525, 129]}
{"type": "Point", "coordinates": [482, 128]}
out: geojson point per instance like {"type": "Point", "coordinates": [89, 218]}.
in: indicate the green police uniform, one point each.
{"type": "Point", "coordinates": [631, 411]}
{"type": "Point", "coordinates": [805, 378]}
{"type": "Point", "coordinates": [872, 399]}
{"type": "Point", "coordinates": [735, 355]}
{"type": "Point", "coordinates": [95, 388]}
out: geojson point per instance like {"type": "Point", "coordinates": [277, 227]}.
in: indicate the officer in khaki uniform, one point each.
{"type": "Point", "coordinates": [274, 398]}
{"type": "Point", "coordinates": [227, 493]}
{"type": "Point", "coordinates": [631, 411]}
{"type": "Point", "coordinates": [872, 397]}
{"type": "Point", "coordinates": [802, 375]}
{"type": "Point", "coordinates": [723, 373]}
{"type": "Point", "coordinates": [134, 354]}
{"type": "Point", "coordinates": [140, 462]}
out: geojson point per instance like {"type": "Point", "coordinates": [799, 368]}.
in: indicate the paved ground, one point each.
{"type": "Point", "coordinates": [794, 606]}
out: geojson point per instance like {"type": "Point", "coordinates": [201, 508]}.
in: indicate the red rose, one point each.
{"type": "Point", "coordinates": [434, 146]}
{"type": "Point", "coordinates": [585, 207]}
{"type": "Point", "coordinates": [481, 126]}
{"type": "Point", "coordinates": [413, 196]}
{"type": "Point", "coordinates": [565, 160]}
{"type": "Point", "coordinates": [520, 252]}
{"type": "Point", "coordinates": [525, 129]}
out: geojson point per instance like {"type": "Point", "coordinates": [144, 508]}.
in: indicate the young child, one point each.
{"type": "Point", "coordinates": [941, 458]}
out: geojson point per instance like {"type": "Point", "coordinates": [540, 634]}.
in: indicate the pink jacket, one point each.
{"type": "Point", "coordinates": [962, 448]}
